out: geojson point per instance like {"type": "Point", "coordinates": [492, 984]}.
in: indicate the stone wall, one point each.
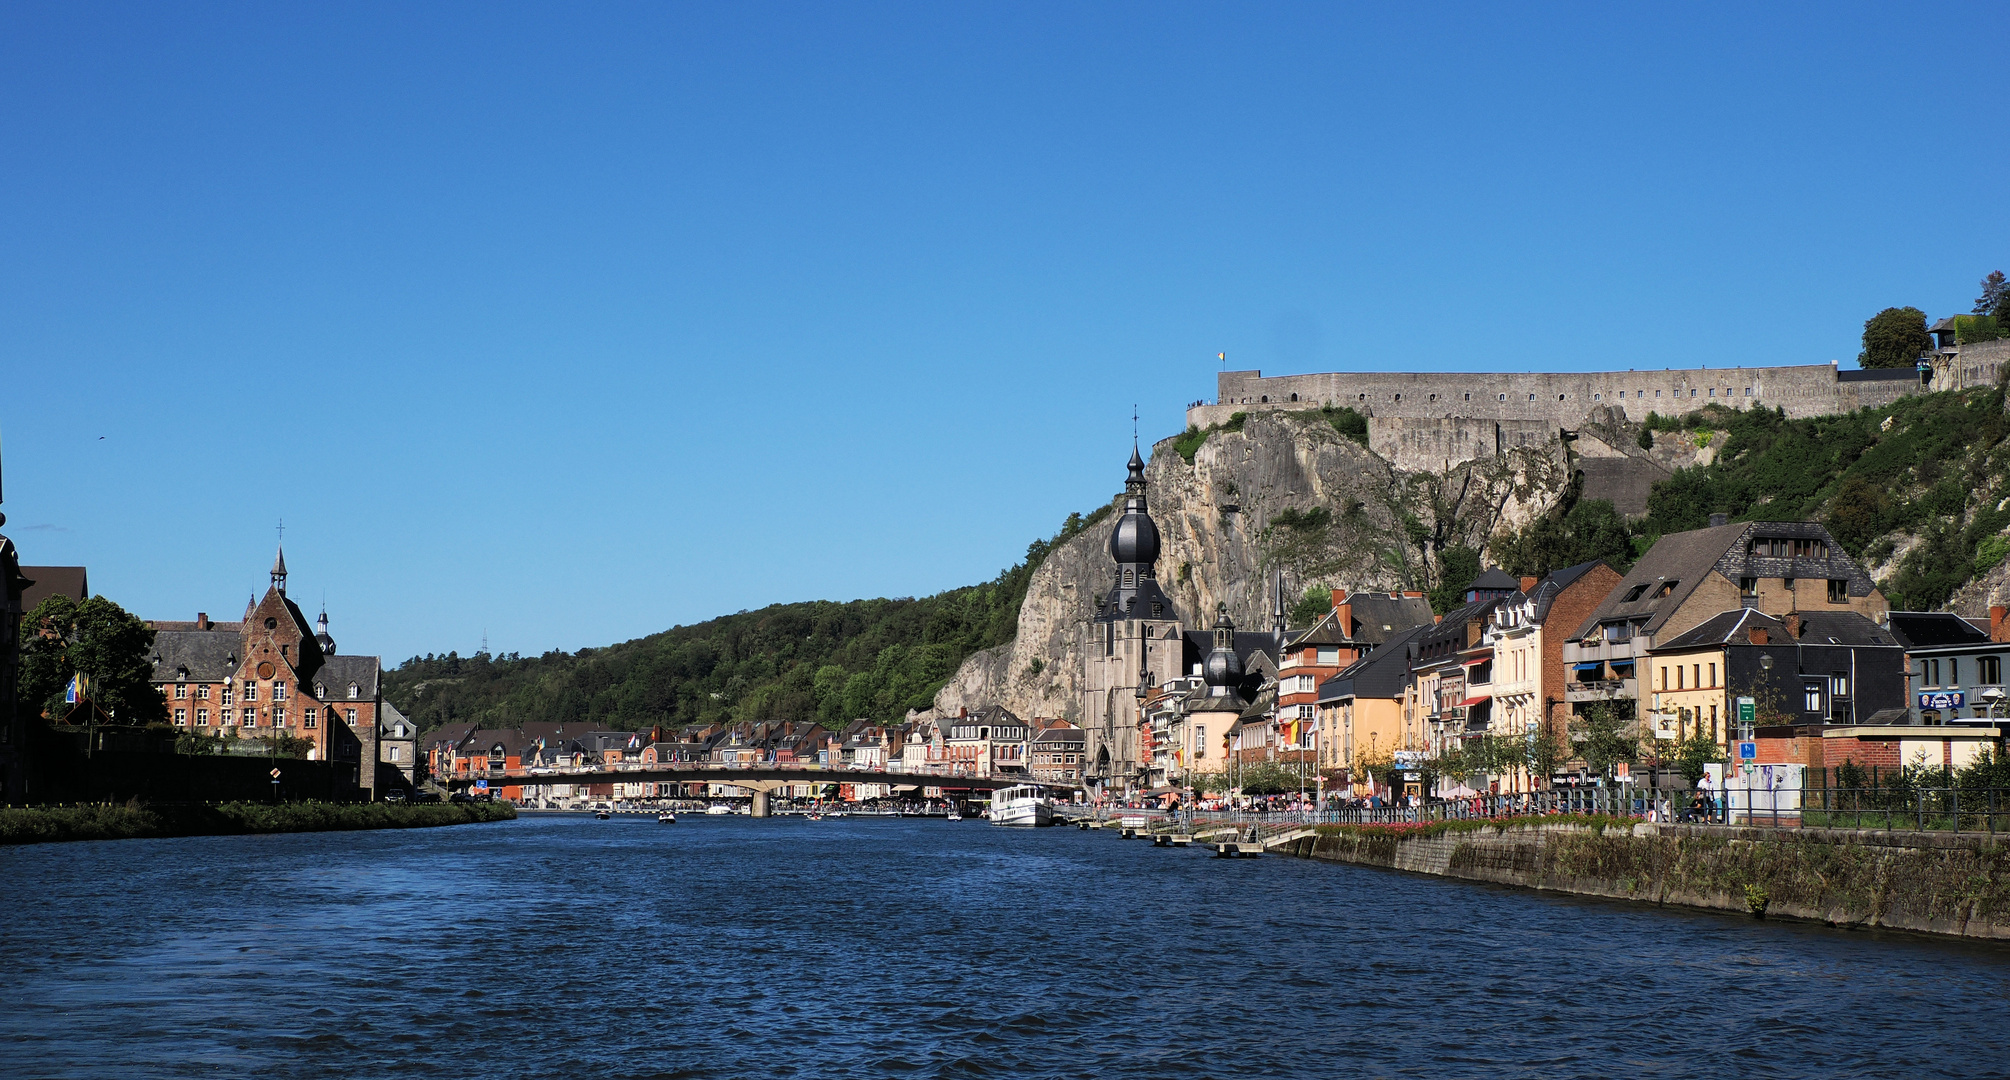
{"type": "Point", "coordinates": [1933, 882]}
{"type": "Point", "coordinates": [1559, 399]}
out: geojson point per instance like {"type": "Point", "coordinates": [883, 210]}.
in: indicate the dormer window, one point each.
{"type": "Point", "coordinates": [1633, 594]}
{"type": "Point", "coordinates": [1666, 588]}
{"type": "Point", "coordinates": [354, 690]}
{"type": "Point", "coordinates": [320, 691]}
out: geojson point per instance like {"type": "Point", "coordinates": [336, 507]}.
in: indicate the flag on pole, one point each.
{"type": "Point", "coordinates": [75, 690]}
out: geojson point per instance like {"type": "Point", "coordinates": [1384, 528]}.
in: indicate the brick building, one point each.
{"type": "Point", "coordinates": [271, 676]}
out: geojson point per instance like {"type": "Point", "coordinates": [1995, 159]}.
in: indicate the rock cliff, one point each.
{"type": "Point", "coordinates": [1286, 492]}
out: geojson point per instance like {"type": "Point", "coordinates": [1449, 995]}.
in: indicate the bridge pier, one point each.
{"type": "Point", "coordinates": [760, 807]}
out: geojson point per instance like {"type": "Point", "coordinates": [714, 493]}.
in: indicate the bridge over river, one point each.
{"type": "Point", "coordinates": [761, 780]}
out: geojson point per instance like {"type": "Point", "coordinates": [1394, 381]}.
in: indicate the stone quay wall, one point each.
{"type": "Point", "coordinates": [1559, 399]}
{"type": "Point", "coordinates": [1931, 882]}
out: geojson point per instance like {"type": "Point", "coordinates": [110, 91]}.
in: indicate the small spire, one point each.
{"type": "Point", "coordinates": [279, 570]}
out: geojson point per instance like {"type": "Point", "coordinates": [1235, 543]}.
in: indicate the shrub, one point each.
{"type": "Point", "coordinates": [1189, 443]}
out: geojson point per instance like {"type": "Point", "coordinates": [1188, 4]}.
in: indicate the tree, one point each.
{"type": "Point", "coordinates": [1995, 298]}
{"type": "Point", "coordinates": [1693, 753]}
{"type": "Point", "coordinates": [101, 641]}
{"type": "Point", "coordinates": [1894, 338]}
{"type": "Point", "coordinates": [1313, 606]}
{"type": "Point", "coordinates": [1457, 568]}
{"type": "Point", "coordinates": [1604, 736]}
{"type": "Point", "coordinates": [1590, 530]}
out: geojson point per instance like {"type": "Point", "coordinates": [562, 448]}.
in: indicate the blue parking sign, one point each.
{"type": "Point", "coordinates": [1748, 751]}
{"type": "Point", "coordinates": [483, 785]}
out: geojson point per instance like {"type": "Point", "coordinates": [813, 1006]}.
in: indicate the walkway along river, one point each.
{"type": "Point", "coordinates": [728, 947]}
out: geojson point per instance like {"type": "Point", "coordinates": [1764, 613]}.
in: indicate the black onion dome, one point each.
{"type": "Point", "coordinates": [1137, 468]}
{"type": "Point", "coordinates": [1135, 539]}
{"type": "Point", "coordinates": [1223, 668]}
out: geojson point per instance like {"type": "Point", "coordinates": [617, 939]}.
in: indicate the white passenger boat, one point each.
{"type": "Point", "coordinates": [666, 818]}
{"type": "Point", "coordinates": [718, 810]}
{"type": "Point", "coordinates": [1024, 804]}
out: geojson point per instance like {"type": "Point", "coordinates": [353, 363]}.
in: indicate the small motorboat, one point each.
{"type": "Point", "coordinates": [718, 810]}
{"type": "Point", "coordinates": [666, 818]}
{"type": "Point", "coordinates": [954, 816]}
{"type": "Point", "coordinates": [602, 815]}
{"type": "Point", "coordinates": [813, 816]}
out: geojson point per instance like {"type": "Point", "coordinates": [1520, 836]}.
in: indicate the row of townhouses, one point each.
{"type": "Point", "coordinates": [990, 743]}
{"type": "Point", "coordinates": [1765, 638]}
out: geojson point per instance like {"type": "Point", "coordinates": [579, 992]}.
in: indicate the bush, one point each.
{"type": "Point", "coordinates": [136, 820]}
{"type": "Point", "coordinates": [1969, 329]}
{"type": "Point", "coordinates": [1189, 443]}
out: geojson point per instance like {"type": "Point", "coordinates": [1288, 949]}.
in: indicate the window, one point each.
{"type": "Point", "coordinates": [202, 718]}
{"type": "Point", "coordinates": [1788, 583]}
{"type": "Point", "coordinates": [1811, 697]}
{"type": "Point", "coordinates": [202, 692]}
{"type": "Point", "coordinates": [1696, 675]}
{"type": "Point", "coordinates": [1329, 655]}
{"type": "Point", "coordinates": [1748, 586]}
{"type": "Point", "coordinates": [1664, 679]}
{"type": "Point", "coordinates": [393, 753]}
{"type": "Point", "coordinates": [1713, 674]}
{"type": "Point", "coordinates": [352, 717]}
{"type": "Point", "coordinates": [180, 691]}
{"type": "Point", "coordinates": [1839, 684]}
{"type": "Point", "coordinates": [181, 717]}
{"type": "Point", "coordinates": [1989, 670]}
{"type": "Point", "coordinates": [1634, 594]}
{"type": "Point", "coordinates": [1953, 672]}
{"type": "Point", "coordinates": [1748, 391]}
{"type": "Point", "coordinates": [226, 693]}
{"type": "Point", "coordinates": [308, 719]}
{"type": "Point", "coordinates": [1666, 588]}
{"type": "Point", "coordinates": [250, 690]}
{"type": "Point", "coordinates": [1678, 678]}
{"type": "Point", "coordinates": [1930, 671]}
{"type": "Point", "coordinates": [1838, 591]}
{"type": "Point", "coordinates": [279, 691]}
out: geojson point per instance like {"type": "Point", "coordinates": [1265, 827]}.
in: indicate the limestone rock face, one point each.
{"type": "Point", "coordinates": [1286, 493]}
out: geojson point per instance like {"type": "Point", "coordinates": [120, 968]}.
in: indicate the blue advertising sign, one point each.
{"type": "Point", "coordinates": [1748, 751]}
{"type": "Point", "coordinates": [1942, 699]}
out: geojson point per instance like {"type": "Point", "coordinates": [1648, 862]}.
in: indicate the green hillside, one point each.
{"type": "Point", "coordinates": [833, 662]}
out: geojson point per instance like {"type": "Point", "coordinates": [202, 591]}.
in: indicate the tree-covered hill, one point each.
{"type": "Point", "coordinates": [821, 660]}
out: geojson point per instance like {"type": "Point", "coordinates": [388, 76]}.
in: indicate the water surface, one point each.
{"type": "Point", "coordinates": [727, 947]}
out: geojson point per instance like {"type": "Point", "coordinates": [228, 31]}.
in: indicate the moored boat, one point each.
{"type": "Point", "coordinates": [666, 818]}
{"type": "Point", "coordinates": [718, 810]}
{"type": "Point", "coordinates": [1021, 805]}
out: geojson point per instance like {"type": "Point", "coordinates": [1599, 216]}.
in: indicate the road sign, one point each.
{"type": "Point", "coordinates": [481, 785]}
{"type": "Point", "coordinates": [275, 772]}
{"type": "Point", "coordinates": [1748, 751]}
{"type": "Point", "coordinates": [1748, 710]}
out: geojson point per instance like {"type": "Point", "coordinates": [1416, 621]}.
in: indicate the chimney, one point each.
{"type": "Point", "coordinates": [1999, 623]}
{"type": "Point", "coordinates": [1343, 612]}
{"type": "Point", "coordinates": [1414, 595]}
{"type": "Point", "coordinates": [202, 620]}
{"type": "Point", "coordinates": [1528, 584]}
{"type": "Point", "coordinates": [1758, 635]}
{"type": "Point", "coordinates": [1719, 519]}
{"type": "Point", "coordinates": [1793, 624]}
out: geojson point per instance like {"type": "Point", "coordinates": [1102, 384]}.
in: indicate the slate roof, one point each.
{"type": "Point", "coordinates": [448, 736]}
{"type": "Point", "coordinates": [1682, 560]}
{"type": "Point", "coordinates": [1070, 733]}
{"type": "Point", "coordinates": [1817, 628]}
{"type": "Point", "coordinates": [1373, 618]}
{"type": "Point", "coordinates": [48, 581]}
{"type": "Point", "coordinates": [1380, 674]}
{"type": "Point", "coordinates": [337, 672]}
{"type": "Point", "coordinates": [208, 655]}
{"type": "Point", "coordinates": [1495, 578]}
{"type": "Point", "coordinates": [388, 718]}
{"type": "Point", "coordinates": [1925, 629]}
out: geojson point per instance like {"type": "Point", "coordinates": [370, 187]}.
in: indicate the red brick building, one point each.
{"type": "Point", "coordinates": [272, 676]}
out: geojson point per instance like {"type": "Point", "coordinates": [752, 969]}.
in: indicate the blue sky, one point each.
{"type": "Point", "coordinates": [568, 323]}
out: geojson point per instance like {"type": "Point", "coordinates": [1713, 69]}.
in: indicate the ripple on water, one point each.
{"type": "Point", "coordinates": [726, 948]}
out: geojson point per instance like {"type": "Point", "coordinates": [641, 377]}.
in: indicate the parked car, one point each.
{"type": "Point", "coordinates": [395, 795]}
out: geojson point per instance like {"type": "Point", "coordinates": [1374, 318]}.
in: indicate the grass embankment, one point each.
{"type": "Point", "coordinates": [1425, 829]}
{"type": "Point", "coordinates": [128, 821]}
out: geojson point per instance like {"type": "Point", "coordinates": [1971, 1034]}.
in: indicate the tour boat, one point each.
{"type": "Point", "coordinates": [718, 810]}
{"type": "Point", "coordinates": [1021, 805]}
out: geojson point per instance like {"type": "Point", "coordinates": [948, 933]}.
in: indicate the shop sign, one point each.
{"type": "Point", "coordinates": [1942, 699]}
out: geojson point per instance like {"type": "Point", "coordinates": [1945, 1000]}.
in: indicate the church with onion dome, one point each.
{"type": "Point", "coordinates": [1138, 650]}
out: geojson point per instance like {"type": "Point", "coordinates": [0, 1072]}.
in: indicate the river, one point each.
{"type": "Point", "coordinates": [561, 946]}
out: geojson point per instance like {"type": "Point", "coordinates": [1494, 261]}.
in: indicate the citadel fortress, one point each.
{"type": "Point", "coordinates": [1432, 420]}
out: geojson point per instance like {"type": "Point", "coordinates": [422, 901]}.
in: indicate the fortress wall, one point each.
{"type": "Point", "coordinates": [1431, 444]}
{"type": "Point", "coordinates": [1980, 364]}
{"type": "Point", "coordinates": [1559, 398]}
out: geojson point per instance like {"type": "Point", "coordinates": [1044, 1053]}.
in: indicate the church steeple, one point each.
{"type": "Point", "coordinates": [279, 571]}
{"type": "Point", "coordinates": [1134, 544]}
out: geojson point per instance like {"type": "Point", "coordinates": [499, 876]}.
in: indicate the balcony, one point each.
{"type": "Point", "coordinates": [1599, 690]}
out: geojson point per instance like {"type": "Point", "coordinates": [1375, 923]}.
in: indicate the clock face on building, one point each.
{"type": "Point", "coordinates": [265, 670]}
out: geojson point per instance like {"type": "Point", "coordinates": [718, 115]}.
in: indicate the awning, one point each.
{"type": "Point", "coordinates": [1592, 666]}
{"type": "Point", "coordinates": [1628, 662]}
{"type": "Point", "coordinates": [1474, 700]}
